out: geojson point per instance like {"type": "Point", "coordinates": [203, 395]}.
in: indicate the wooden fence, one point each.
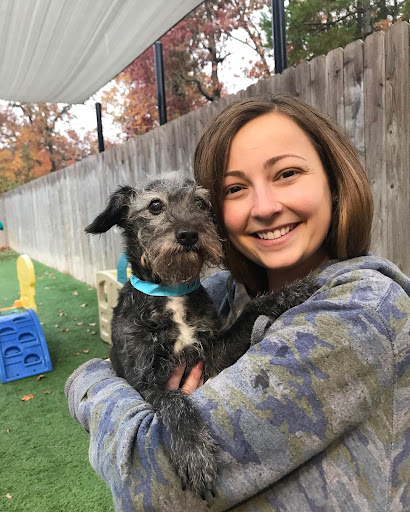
{"type": "Point", "coordinates": [365, 87]}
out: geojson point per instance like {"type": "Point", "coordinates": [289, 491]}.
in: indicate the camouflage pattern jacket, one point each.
{"type": "Point", "coordinates": [314, 417]}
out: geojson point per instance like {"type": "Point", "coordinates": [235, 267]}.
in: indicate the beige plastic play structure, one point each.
{"type": "Point", "coordinates": [108, 288]}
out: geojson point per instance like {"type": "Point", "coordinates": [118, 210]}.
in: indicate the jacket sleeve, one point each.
{"type": "Point", "coordinates": [319, 371]}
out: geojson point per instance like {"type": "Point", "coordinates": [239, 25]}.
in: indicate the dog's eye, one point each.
{"type": "Point", "coordinates": [201, 203]}
{"type": "Point", "coordinates": [156, 206]}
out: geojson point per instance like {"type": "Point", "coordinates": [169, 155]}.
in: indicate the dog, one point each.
{"type": "Point", "coordinates": [164, 317]}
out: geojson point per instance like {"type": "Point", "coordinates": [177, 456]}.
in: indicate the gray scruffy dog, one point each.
{"type": "Point", "coordinates": [169, 235]}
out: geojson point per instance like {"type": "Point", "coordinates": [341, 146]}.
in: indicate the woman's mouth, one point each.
{"type": "Point", "coordinates": [274, 234]}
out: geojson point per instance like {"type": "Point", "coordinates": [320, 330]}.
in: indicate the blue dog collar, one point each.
{"type": "Point", "coordinates": [165, 291]}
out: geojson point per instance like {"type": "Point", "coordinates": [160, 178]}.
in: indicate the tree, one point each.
{"type": "Point", "coordinates": [194, 51]}
{"type": "Point", "coordinates": [314, 27]}
{"type": "Point", "coordinates": [33, 142]}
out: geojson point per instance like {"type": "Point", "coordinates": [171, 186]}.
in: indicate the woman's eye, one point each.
{"type": "Point", "coordinates": [156, 206]}
{"type": "Point", "coordinates": [288, 174]}
{"type": "Point", "coordinates": [233, 190]}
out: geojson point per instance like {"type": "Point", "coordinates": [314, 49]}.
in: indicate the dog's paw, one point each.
{"type": "Point", "coordinates": [198, 468]}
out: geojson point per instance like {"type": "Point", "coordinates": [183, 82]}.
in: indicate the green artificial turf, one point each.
{"type": "Point", "coordinates": [43, 451]}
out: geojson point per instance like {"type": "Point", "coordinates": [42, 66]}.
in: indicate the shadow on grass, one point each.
{"type": "Point", "coordinates": [43, 451]}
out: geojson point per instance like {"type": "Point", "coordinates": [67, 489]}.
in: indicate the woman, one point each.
{"type": "Point", "coordinates": [313, 416]}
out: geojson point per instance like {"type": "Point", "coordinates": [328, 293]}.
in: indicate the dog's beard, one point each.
{"type": "Point", "coordinates": [174, 264]}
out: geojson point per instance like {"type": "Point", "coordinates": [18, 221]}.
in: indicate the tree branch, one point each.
{"type": "Point", "coordinates": [199, 85]}
{"type": "Point", "coordinates": [244, 42]}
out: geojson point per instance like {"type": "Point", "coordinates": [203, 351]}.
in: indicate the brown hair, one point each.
{"type": "Point", "coordinates": [349, 231]}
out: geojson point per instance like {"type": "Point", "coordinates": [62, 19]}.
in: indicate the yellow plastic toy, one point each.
{"type": "Point", "coordinates": [27, 280]}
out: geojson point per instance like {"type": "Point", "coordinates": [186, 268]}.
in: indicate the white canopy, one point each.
{"type": "Point", "coordinates": [63, 51]}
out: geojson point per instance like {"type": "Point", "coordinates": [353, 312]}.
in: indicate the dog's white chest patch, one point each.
{"type": "Point", "coordinates": [186, 332]}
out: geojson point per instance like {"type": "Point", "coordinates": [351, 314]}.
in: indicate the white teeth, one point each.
{"type": "Point", "coordinates": [269, 235]}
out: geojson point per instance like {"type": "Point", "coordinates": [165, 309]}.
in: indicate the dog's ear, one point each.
{"type": "Point", "coordinates": [115, 213]}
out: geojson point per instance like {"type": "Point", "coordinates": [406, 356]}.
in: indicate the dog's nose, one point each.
{"type": "Point", "coordinates": [187, 237]}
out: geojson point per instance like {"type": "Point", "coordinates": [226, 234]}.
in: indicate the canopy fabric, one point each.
{"type": "Point", "coordinates": [63, 51]}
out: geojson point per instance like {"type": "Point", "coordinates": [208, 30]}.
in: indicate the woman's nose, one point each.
{"type": "Point", "coordinates": [265, 203]}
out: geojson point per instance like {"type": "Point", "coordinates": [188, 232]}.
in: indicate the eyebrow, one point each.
{"type": "Point", "coordinates": [269, 163]}
{"type": "Point", "coordinates": [272, 161]}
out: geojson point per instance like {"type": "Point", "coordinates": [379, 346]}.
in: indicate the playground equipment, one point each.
{"type": "Point", "coordinates": [109, 283]}
{"type": "Point", "coordinates": [23, 348]}
{"type": "Point", "coordinates": [27, 281]}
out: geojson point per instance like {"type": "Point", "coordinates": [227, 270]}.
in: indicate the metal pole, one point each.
{"type": "Point", "coordinates": [279, 35]}
{"type": "Point", "coordinates": [99, 128]}
{"type": "Point", "coordinates": [159, 75]}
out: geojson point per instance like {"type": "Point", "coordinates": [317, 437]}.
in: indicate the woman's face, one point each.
{"type": "Point", "coordinates": [277, 201]}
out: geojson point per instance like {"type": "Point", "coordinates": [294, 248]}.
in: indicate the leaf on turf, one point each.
{"type": "Point", "coordinates": [83, 305]}
{"type": "Point", "coordinates": [76, 353]}
{"type": "Point", "coordinates": [80, 323]}
{"type": "Point", "coordinates": [64, 330]}
{"type": "Point", "coordinates": [74, 293]}
{"type": "Point", "coordinates": [9, 496]}
{"type": "Point", "coordinates": [92, 324]}
{"type": "Point", "coordinates": [26, 398]}
{"type": "Point", "coordinates": [86, 351]}
{"type": "Point", "coordinates": [39, 377]}
{"type": "Point", "coordinates": [46, 392]}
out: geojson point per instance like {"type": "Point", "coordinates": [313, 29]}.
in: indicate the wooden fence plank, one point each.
{"type": "Point", "coordinates": [251, 91]}
{"type": "Point", "coordinates": [241, 95]}
{"type": "Point", "coordinates": [65, 234]}
{"type": "Point", "coordinates": [4, 236]}
{"type": "Point", "coordinates": [353, 94]}
{"type": "Point", "coordinates": [55, 198]}
{"type": "Point", "coordinates": [288, 80]}
{"type": "Point", "coordinates": [302, 82]}
{"type": "Point", "coordinates": [374, 134]}
{"type": "Point", "coordinates": [397, 144]}
{"type": "Point", "coordinates": [264, 86]}
{"type": "Point", "coordinates": [334, 90]}
{"type": "Point", "coordinates": [77, 228]}
{"type": "Point", "coordinates": [318, 80]}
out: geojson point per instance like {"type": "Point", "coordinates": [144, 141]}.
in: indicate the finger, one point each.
{"type": "Point", "coordinates": [175, 379]}
{"type": "Point", "coordinates": [194, 378]}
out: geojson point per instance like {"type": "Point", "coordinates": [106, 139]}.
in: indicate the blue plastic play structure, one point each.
{"type": "Point", "coordinates": [23, 348]}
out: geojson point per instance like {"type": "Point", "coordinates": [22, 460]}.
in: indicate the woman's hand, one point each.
{"type": "Point", "coordinates": [194, 380]}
